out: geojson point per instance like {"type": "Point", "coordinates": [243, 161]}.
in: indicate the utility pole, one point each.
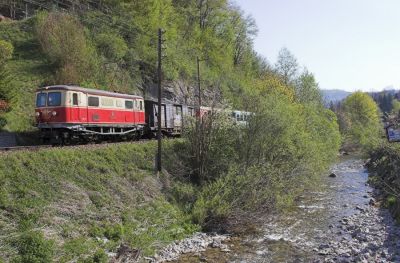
{"type": "Point", "coordinates": [26, 10]}
{"type": "Point", "coordinates": [199, 124]}
{"type": "Point", "coordinates": [199, 82]}
{"type": "Point", "coordinates": [159, 73]}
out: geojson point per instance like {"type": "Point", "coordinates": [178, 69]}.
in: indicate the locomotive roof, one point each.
{"type": "Point", "coordinates": [90, 91]}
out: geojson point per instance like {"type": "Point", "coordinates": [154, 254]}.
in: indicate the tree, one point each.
{"type": "Point", "coordinates": [363, 123]}
{"type": "Point", "coordinates": [395, 107]}
{"type": "Point", "coordinates": [307, 89]}
{"type": "Point", "coordinates": [287, 66]}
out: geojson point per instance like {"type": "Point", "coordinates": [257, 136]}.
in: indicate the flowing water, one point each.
{"type": "Point", "coordinates": [298, 235]}
{"type": "Point", "coordinates": [294, 236]}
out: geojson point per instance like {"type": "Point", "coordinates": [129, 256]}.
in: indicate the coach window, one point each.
{"type": "Point", "coordinates": [54, 99]}
{"type": "Point", "coordinates": [93, 101]}
{"type": "Point", "coordinates": [107, 102]}
{"type": "Point", "coordinates": [41, 100]}
{"type": "Point", "coordinates": [128, 104]}
{"type": "Point", "coordinates": [119, 103]}
{"type": "Point", "coordinates": [74, 98]}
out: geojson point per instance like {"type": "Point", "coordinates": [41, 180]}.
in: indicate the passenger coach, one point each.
{"type": "Point", "coordinates": [67, 113]}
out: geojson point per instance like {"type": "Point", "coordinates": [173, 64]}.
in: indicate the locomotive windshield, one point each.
{"type": "Point", "coordinates": [41, 100]}
{"type": "Point", "coordinates": [54, 99]}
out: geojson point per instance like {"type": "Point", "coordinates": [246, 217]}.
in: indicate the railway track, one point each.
{"type": "Point", "coordinates": [90, 145]}
{"type": "Point", "coordinates": [19, 148]}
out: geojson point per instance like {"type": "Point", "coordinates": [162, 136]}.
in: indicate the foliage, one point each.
{"type": "Point", "coordinates": [72, 56]}
{"type": "Point", "coordinates": [384, 171]}
{"type": "Point", "coordinates": [6, 51]}
{"type": "Point", "coordinates": [34, 248]}
{"type": "Point", "coordinates": [211, 145]}
{"type": "Point", "coordinates": [361, 118]}
{"type": "Point", "coordinates": [111, 46]}
{"type": "Point", "coordinates": [307, 90]}
{"type": "Point", "coordinates": [277, 154]}
{"type": "Point", "coordinates": [395, 107]}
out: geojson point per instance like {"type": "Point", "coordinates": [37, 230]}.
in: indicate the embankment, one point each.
{"type": "Point", "coordinates": [384, 167]}
{"type": "Point", "coordinates": [81, 203]}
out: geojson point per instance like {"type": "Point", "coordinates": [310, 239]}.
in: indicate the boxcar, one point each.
{"type": "Point", "coordinates": [172, 117]}
{"type": "Point", "coordinates": [67, 113]}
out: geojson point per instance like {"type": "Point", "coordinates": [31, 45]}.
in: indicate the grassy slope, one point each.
{"type": "Point", "coordinates": [29, 70]}
{"type": "Point", "coordinates": [77, 196]}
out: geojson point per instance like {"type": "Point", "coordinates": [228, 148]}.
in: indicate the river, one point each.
{"type": "Point", "coordinates": [339, 223]}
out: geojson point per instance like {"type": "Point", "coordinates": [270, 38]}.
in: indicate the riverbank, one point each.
{"type": "Point", "coordinates": [384, 167]}
{"type": "Point", "coordinates": [343, 222]}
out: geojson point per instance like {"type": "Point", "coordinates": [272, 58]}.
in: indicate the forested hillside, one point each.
{"type": "Point", "coordinates": [112, 45]}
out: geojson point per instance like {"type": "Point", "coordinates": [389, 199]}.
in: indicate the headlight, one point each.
{"type": "Point", "coordinates": [54, 113]}
{"type": "Point", "coordinates": [37, 114]}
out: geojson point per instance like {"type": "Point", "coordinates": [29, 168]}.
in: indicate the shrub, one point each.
{"type": "Point", "coordinates": [73, 56]}
{"type": "Point", "coordinates": [32, 247]}
{"type": "Point", "coordinates": [99, 257]}
{"type": "Point", "coordinates": [6, 51]}
{"type": "Point", "coordinates": [111, 46]}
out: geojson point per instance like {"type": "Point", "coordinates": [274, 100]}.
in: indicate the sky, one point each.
{"type": "Point", "coordinates": [347, 44]}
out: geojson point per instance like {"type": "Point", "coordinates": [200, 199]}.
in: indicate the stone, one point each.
{"type": "Point", "coordinates": [360, 208]}
{"type": "Point", "coordinates": [323, 246]}
{"type": "Point", "coordinates": [332, 175]}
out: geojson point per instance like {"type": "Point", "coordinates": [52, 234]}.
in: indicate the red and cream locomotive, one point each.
{"type": "Point", "coordinates": [67, 114]}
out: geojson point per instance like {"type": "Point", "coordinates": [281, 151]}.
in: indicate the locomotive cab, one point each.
{"type": "Point", "coordinates": [50, 106]}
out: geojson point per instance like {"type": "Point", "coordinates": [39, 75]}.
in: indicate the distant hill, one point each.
{"type": "Point", "coordinates": [334, 95]}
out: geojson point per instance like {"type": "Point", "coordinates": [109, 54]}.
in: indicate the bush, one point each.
{"type": "Point", "coordinates": [72, 56]}
{"type": "Point", "coordinates": [267, 162]}
{"type": "Point", "coordinates": [384, 168]}
{"type": "Point", "coordinates": [32, 247]}
{"type": "Point", "coordinates": [6, 51]}
{"type": "Point", "coordinates": [99, 257]}
{"type": "Point", "coordinates": [111, 46]}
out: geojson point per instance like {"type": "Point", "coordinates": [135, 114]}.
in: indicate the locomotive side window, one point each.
{"type": "Point", "coordinates": [128, 104]}
{"type": "Point", "coordinates": [141, 105]}
{"type": "Point", "coordinates": [41, 100]}
{"type": "Point", "coordinates": [107, 102]}
{"type": "Point", "coordinates": [74, 98]}
{"type": "Point", "coordinates": [93, 101]}
{"type": "Point", "coordinates": [54, 99]}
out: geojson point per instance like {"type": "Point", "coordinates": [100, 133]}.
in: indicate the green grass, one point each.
{"type": "Point", "coordinates": [79, 197]}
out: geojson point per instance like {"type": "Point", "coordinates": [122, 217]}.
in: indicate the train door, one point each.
{"type": "Point", "coordinates": [83, 110]}
{"type": "Point", "coordinates": [163, 118]}
{"type": "Point", "coordinates": [75, 110]}
{"type": "Point", "coordinates": [177, 116]}
{"type": "Point", "coordinates": [136, 111]}
{"type": "Point", "coordinates": [141, 111]}
{"type": "Point", "coordinates": [130, 113]}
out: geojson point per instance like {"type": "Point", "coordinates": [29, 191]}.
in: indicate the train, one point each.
{"type": "Point", "coordinates": [68, 114]}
